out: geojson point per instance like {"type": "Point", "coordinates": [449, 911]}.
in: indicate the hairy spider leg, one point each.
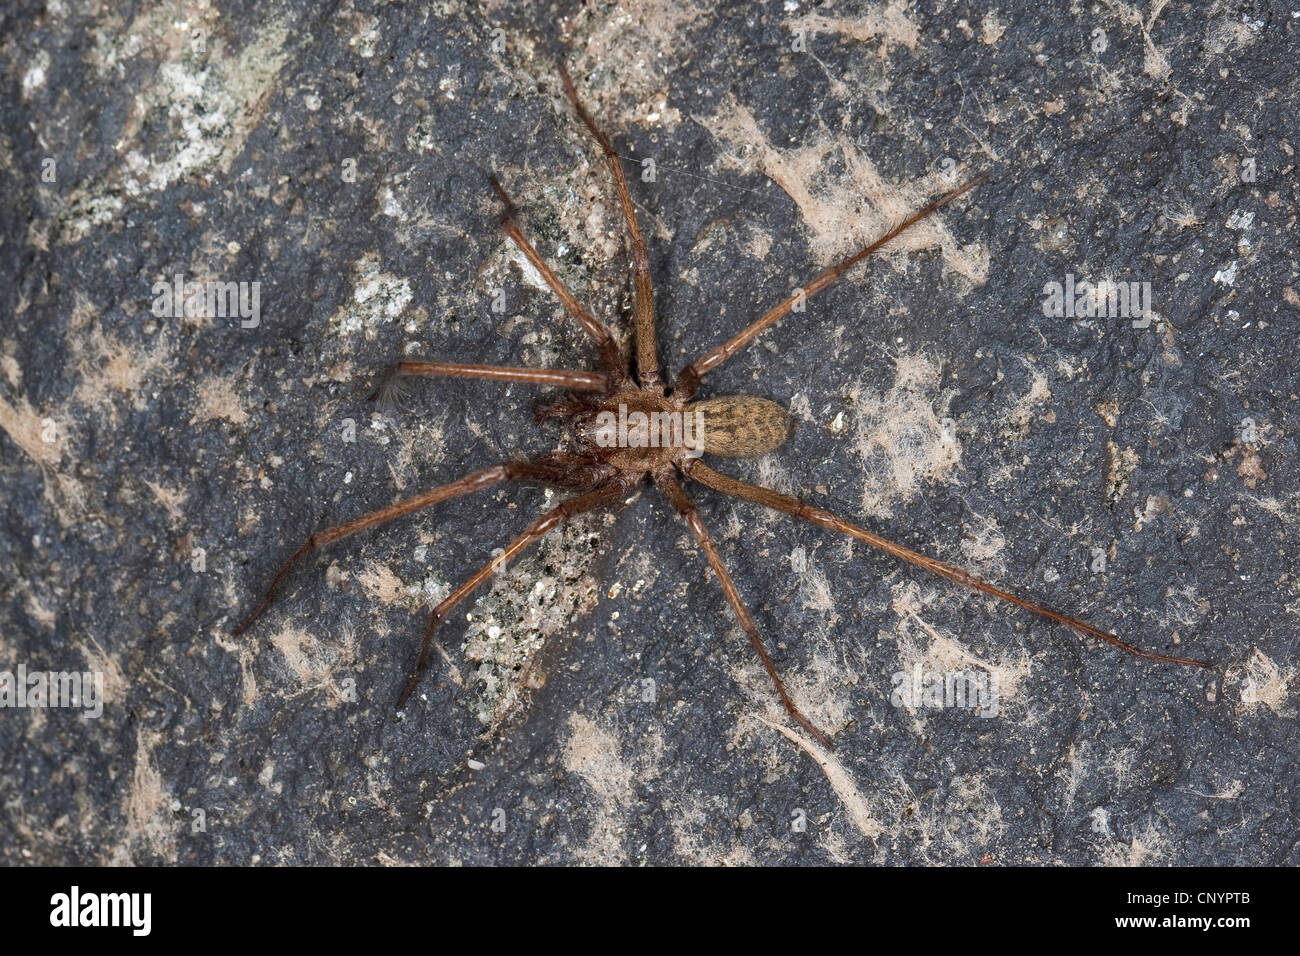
{"type": "Point", "coordinates": [647, 360]}
{"type": "Point", "coordinates": [609, 353]}
{"type": "Point", "coordinates": [574, 380]}
{"type": "Point", "coordinates": [680, 500]}
{"type": "Point", "coordinates": [557, 472]}
{"type": "Point", "coordinates": [792, 506]}
{"type": "Point", "coordinates": [606, 494]}
{"type": "Point", "coordinates": [689, 379]}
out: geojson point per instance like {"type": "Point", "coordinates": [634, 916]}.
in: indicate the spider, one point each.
{"type": "Point", "coordinates": [607, 459]}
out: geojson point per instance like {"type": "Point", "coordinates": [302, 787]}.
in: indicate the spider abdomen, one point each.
{"type": "Point", "coordinates": [742, 426]}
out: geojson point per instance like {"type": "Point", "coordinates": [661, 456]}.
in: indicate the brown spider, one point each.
{"type": "Point", "coordinates": [607, 461]}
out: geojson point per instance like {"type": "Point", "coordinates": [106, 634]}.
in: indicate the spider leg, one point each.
{"type": "Point", "coordinates": [792, 506]}
{"type": "Point", "coordinates": [609, 354]}
{"type": "Point", "coordinates": [546, 470]}
{"type": "Point", "coordinates": [678, 498]}
{"type": "Point", "coordinates": [574, 380]}
{"type": "Point", "coordinates": [647, 361]}
{"type": "Point", "coordinates": [689, 379]}
{"type": "Point", "coordinates": [564, 408]}
{"type": "Point", "coordinates": [602, 496]}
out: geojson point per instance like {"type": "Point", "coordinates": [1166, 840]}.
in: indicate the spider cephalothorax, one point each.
{"type": "Point", "coordinates": [626, 428]}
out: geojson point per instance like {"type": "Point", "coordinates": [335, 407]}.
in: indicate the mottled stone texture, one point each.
{"type": "Point", "coordinates": [156, 469]}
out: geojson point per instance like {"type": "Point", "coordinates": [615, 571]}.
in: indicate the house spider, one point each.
{"type": "Point", "coordinates": [605, 463]}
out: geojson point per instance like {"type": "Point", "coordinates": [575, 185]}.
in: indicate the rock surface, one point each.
{"type": "Point", "coordinates": [600, 704]}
